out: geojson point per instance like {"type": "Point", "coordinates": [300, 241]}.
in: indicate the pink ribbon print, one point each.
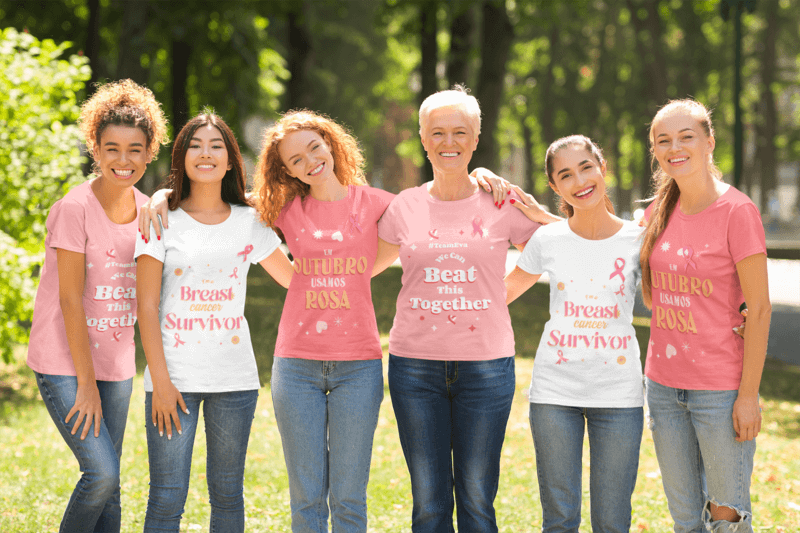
{"type": "Point", "coordinates": [247, 250]}
{"type": "Point", "coordinates": [477, 227]}
{"type": "Point", "coordinates": [235, 273]}
{"type": "Point", "coordinates": [116, 335]}
{"type": "Point", "coordinates": [561, 358]}
{"type": "Point", "coordinates": [111, 255]}
{"type": "Point", "coordinates": [178, 340]}
{"type": "Point", "coordinates": [619, 264]}
{"type": "Point", "coordinates": [354, 223]}
{"type": "Point", "coordinates": [687, 252]}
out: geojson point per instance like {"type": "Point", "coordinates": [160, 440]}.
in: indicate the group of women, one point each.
{"type": "Point", "coordinates": [451, 362]}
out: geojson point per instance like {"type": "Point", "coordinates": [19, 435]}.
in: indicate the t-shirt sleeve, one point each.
{"type": "Point", "coordinates": [389, 224]}
{"type": "Point", "coordinates": [745, 232]}
{"type": "Point", "coordinates": [66, 226]}
{"type": "Point", "coordinates": [531, 258]}
{"type": "Point", "coordinates": [382, 199]}
{"type": "Point", "coordinates": [521, 226]}
{"type": "Point", "coordinates": [155, 248]}
{"type": "Point", "coordinates": [265, 241]}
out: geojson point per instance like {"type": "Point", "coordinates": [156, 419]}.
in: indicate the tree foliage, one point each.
{"type": "Point", "coordinates": [40, 160]}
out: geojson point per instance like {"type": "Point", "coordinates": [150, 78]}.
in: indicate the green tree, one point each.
{"type": "Point", "coordinates": [40, 160]}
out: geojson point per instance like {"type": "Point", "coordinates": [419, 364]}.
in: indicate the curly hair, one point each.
{"type": "Point", "coordinates": [275, 188]}
{"type": "Point", "coordinates": [667, 192]}
{"type": "Point", "coordinates": [233, 183]}
{"type": "Point", "coordinates": [123, 103]}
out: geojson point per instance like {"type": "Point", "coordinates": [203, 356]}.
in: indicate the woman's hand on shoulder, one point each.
{"type": "Point", "coordinates": [166, 398]}
{"type": "Point", "coordinates": [531, 208]}
{"type": "Point", "coordinates": [491, 182]}
{"type": "Point", "coordinates": [158, 204]}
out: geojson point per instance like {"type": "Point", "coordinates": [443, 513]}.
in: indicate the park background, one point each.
{"type": "Point", "coordinates": [541, 69]}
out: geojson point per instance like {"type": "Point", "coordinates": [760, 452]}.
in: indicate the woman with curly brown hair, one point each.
{"type": "Point", "coordinates": [81, 348]}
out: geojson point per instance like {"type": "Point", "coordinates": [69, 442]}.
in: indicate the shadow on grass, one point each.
{"type": "Point", "coordinates": [18, 391]}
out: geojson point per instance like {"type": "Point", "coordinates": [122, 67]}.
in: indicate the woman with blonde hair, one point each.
{"type": "Point", "coordinates": [703, 256]}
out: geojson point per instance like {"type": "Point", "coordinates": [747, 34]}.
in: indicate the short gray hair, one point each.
{"type": "Point", "coordinates": [457, 97]}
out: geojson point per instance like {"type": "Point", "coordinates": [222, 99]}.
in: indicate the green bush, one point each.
{"type": "Point", "coordinates": [40, 160]}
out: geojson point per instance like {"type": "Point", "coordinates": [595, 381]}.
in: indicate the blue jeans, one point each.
{"type": "Point", "coordinates": [327, 412]}
{"type": "Point", "coordinates": [228, 417]}
{"type": "Point", "coordinates": [94, 504]}
{"type": "Point", "coordinates": [451, 417]}
{"type": "Point", "coordinates": [615, 435]}
{"type": "Point", "coordinates": [701, 462]}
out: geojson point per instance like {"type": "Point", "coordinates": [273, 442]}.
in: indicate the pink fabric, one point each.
{"type": "Point", "coordinates": [697, 294]}
{"type": "Point", "coordinates": [77, 223]}
{"type": "Point", "coordinates": [328, 313]}
{"type": "Point", "coordinates": [452, 305]}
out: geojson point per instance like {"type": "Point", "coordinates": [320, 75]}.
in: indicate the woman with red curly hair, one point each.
{"type": "Point", "coordinates": [81, 348]}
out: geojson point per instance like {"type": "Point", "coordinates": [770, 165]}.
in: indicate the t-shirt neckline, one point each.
{"type": "Point", "coordinates": [218, 224]}
{"type": "Point", "coordinates": [122, 225]}
{"type": "Point", "coordinates": [606, 240]}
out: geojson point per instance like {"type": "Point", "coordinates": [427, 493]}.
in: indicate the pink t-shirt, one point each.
{"type": "Point", "coordinates": [696, 294]}
{"type": "Point", "coordinates": [328, 313]}
{"type": "Point", "coordinates": [78, 223]}
{"type": "Point", "coordinates": [452, 306]}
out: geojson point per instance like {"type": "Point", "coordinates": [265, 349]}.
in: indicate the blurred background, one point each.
{"type": "Point", "coordinates": [541, 69]}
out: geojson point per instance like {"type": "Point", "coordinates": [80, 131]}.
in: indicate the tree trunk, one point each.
{"type": "Point", "coordinates": [547, 117]}
{"type": "Point", "coordinates": [498, 33]}
{"type": "Point", "coordinates": [92, 49]}
{"type": "Point", "coordinates": [181, 54]}
{"type": "Point", "coordinates": [461, 29]}
{"type": "Point", "coordinates": [430, 57]}
{"type": "Point", "coordinates": [767, 127]}
{"type": "Point", "coordinates": [300, 58]}
{"type": "Point", "coordinates": [134, 37]}
{"type": "Point", "coordinates": [528, 183]}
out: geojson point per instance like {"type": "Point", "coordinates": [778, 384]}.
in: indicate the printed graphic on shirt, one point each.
{"type": "Point", "coordinates": [675, 289]}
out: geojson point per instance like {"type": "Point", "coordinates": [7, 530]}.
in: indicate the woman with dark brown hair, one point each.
{"type": "Point", "coordinates": [191, 284]}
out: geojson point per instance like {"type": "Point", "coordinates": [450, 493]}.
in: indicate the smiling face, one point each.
{"type": "Point", "coordinates": [307, 157]}
{"type": "Point", "coordinates": [206, 158]}
{"type": "Point", "coordinates": [579, 178]}
{"type": "Point", "coordinates": [121, 155]}
{"type": "Point", "coordinates": [681, 146]}
{"type": "Point", "coordinates": [449, 139]}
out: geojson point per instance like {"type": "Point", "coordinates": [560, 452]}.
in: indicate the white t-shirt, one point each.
{"type": "Point", "coordinates": [588, 355]}
{"type": "Point", "coordinates": [203, 329]}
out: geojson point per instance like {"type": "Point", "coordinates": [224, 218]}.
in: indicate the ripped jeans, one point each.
{"type": "Point", "coordinates": [701, 462]}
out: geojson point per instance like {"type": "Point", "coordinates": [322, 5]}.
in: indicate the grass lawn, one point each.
{"type": "Point", "coordinates": [38, 472]}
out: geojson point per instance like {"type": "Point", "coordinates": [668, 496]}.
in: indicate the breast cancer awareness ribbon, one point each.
{"type": "Point", "coordinates": [235, 273]}
{"type": "Point", "coordinates": [561, 358]}
{"type": "Point", "coordinates": [354, 223]}
{"type": "Point", "coordinates": [619, 264]}
{"type": "Point", "coordinates": [247, 250]}
{"type": "Point", "coordinates": [477, 226]}
{"type": "Point", "coordinates": [110, 253]}
{"type": "Point", "coordinates": [116, 335]}
{"type": "Point", "coordinates": [688, 252]}
{"type": "Point", "coordinates": [621, 290]}
{"type": "Point", "coordinates": [178, 340]}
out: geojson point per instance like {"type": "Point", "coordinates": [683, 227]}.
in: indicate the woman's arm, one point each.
{"type": "Point", "coordinates": [532, 209]}
{"type": "Point", "coordinates": [71, 281]}
{"type": "Point", "coordinates": [753, 278]}
{"type": "Point", "coordinates": [387, 254]}
{"type": "Point", "coordinates": [157, 205]}
{"type": "Point", "coordinates": [517, 282]}
{"type": "Point", "coordinates": [279, 267]}
{"type": "Point", "coordinates": [148, 297]}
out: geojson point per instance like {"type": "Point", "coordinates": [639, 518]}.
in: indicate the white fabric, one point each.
{"type": "Point", "coordinates": [588, 355]}
{"type": "Point", "coordinates": [205, 335]}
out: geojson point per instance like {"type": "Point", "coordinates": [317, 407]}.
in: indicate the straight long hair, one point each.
{"type": "Point", "coordinates": [233, 183]}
